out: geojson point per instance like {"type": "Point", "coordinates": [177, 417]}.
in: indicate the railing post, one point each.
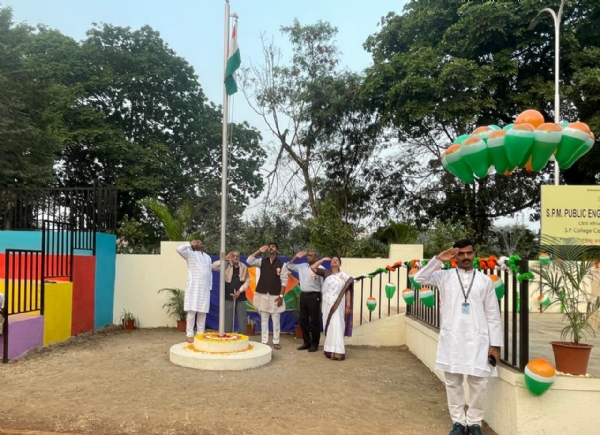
{"type": "Point", "coordinates": [5, 310]}
{"type": "Point", "coordinates": [524, 317]}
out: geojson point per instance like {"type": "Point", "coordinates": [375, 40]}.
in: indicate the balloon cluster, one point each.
{"type": "Point", "coordinates": [528, 143]}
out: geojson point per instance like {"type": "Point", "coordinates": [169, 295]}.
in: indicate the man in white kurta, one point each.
{"type": "Point", "coordinates": [199, 285]}
{"type": "Point", "coordinates": [470, 331]}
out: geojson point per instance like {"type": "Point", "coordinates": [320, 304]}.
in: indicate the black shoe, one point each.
{"type": "Point", "coordinates": [475, 430]}
{"type": "Point", "coordinates": [313, 349]}
{"type": "Point", "coordinates": [303, 347]}
{"type": "Point", "coordinates": [458, 429]}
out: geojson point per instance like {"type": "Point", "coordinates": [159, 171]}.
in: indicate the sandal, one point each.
{"type": "Point", "coordinates": [276, 346]}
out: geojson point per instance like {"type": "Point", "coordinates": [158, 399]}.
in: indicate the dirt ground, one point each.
{"type": "Point", "coordinates": [121, 382]}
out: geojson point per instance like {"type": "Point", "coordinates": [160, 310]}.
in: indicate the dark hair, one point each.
{"type": "Point", "coordinates": [462, 243]}
{"type": "Point", "coordinates": [313, 251]}
{"type": "Point", "coordinates": [273, 243]}
{"type": "Point", "coordinates": [338, 257]}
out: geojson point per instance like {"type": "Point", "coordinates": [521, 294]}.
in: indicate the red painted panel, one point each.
{"type": "Point", "coordinates": [84, 279]}
{"type": "Point", "coordinates": [24, 269]}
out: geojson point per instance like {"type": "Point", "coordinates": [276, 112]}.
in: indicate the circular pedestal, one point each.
{"type": "Point", "coordinates": [255, 355]}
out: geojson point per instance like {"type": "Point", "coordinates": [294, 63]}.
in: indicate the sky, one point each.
{"type": "Point", "coordinates": [194, 29]}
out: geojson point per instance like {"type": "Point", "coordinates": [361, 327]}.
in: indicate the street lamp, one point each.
{"type": "Point", "coordinates": [557, 18]}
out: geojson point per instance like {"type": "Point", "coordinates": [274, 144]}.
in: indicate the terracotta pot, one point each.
{"type": "Point", "coordinates": [249, 329]}
{"type": "Point", "coordinates": [571, 358]}
{"type": "Point", "coordinates": [298, 331]}
{"type": "Point", "coordinates": [181, 325]}
{"type": "Point", "coordinates": [128, 323]}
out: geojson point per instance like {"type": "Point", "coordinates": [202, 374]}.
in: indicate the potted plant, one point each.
{"type": "Point", "coordinates": [174, 306]}
{"type": "Point", "coordinates": [564, 280]}
{"type": "Point", "coordinates": [250, 326]}
{"type": "Point", "coordinates": [127, 319]}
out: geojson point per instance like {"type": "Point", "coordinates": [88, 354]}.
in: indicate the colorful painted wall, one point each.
{"type": "Point", "coordinates": [70, 308]}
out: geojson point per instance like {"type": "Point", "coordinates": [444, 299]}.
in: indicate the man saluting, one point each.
{"type": "Point", "coordinates": [470, 332]}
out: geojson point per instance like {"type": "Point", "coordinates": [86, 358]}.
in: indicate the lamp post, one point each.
{"type": "Point", "coordinates": [557, 18]}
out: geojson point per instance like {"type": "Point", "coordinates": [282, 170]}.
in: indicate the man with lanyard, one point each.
{"type": "Point", "coordinates": [310, 299]}
{"type": "Point", "coordinates": [237, 281]}
{"type": "Point", "coordinates": [268, 298]}
{"type": "Point", "coordinates": [470, 332]}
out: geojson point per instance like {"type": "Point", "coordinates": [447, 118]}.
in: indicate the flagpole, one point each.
{"type": "Point", "coordinates": [224, 182]}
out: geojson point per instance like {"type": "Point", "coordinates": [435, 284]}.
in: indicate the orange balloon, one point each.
{"type": "Point", "coordinates": [580, 126]}
{"type": "Point", "coordinates": [530, 116]}
{"type": "Point", "coordinates": [549, 126]}
{"type": "Point", "coordinates": [497, 133]}
{"type": "Point", "coordinates": [483, 129]}
{"type": "Point", "coordinates": [452, 148]}
{"type": "Point", "coordinates": [524, 126]}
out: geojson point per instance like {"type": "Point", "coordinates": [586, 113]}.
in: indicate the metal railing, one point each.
{"type": "Point", "coordinates": [57, 249]}
{"type": "Point", "coordinates": [86, 208]}
{"type": "Point", "coordinates": [24, 287]}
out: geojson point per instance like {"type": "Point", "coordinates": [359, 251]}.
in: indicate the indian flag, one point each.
{"type": "Point", "coordinates": [233, 63]}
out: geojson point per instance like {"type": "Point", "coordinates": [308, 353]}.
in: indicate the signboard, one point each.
{"type": "Point", "coordinates": [571, 212]}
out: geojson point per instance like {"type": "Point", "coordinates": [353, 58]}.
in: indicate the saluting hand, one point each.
{"type": "Point", "coordinates": [447, 255]}
{"type": "Point", "coordinates": [301, 254]}
{"type": "Point", "coordinates": [264, 248]}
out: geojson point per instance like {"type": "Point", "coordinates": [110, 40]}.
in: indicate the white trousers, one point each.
{"type": "Point", "coordinates": [264, 327]}
{"type": "Point", "coordinates": [456, 398]}
{"type": "Point", "coordinates": [199, 319]}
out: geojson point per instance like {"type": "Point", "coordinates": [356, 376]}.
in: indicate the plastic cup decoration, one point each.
{"type": "Point", "coordinates": [411, 278]}
{"type": "Point", "coordinates": [545, 143]}
{"type": "Point", "coordinates": [408, 295]}
{"type": "Point", "coordinates": [371, 303]}
{"type": "Point", "coordinates": [518, 143]}
{"type": "Point", "coordinates": [427, 297]}
{"type": "Point", "coordinates": [498, 286]}
{"type": "Point", "coordinates": [574, 137]}
{"type": "Point", "coordinates": [476, 155]}
{"type": "Point", "coordinates": [544, 259]}
{"type": "Point", "coordinates": [453, 161]}
{"type": "Point", "coordinates": [544, 300]}
{"type": "Point", "coordinates": [539, 376]}
{"type": "Point", "coordinates": [390, 289]}
{"type": "Point", "coordinates": [497, 152]}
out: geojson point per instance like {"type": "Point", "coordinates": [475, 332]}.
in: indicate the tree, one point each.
{"type": "Point", "coordinates": [136, 116]}
{"type": "Point", "coordinates": [328, 143]}
{"type": "Point", "coordinates": [329, 233]}
{"type": "Point", "coordinates": [446, 66]}
{"type": "Point", "coordinates": [28, 125]}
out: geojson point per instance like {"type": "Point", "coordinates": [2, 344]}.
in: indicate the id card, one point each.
{"type": "Point", "coordinates": [466, 308]}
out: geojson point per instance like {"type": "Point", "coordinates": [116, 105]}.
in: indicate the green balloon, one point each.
{"type": "Point", "coordinates": [462, 138]}
{"type": "Point", "coordinates": [477, 157]}
{"type": "Point", "coordinates": [508, 126]}
{"type": "Point", "coordinates": [563, 124]}
{"type": "Point", "coordinates": [497, 151]}
{"type": "Point", "coordinates": [572, 140]}
{"type": "Point", "coordinates": [518, 145]}
{"type": "Point", "coordinates": [544, 144]}
{"type": "Point", "coordinates": [587, 146]}
{"type": "Point", "coordinates": [455, 164]}
{"type": "Point", "coordinates": [494, 127]}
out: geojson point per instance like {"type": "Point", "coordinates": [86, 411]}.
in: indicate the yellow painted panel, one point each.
{"type": "Point", "coordinates": [57, 312]}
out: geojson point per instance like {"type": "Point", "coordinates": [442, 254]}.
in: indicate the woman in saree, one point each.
{"type": "Point", "coordinates": [336, 306]}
